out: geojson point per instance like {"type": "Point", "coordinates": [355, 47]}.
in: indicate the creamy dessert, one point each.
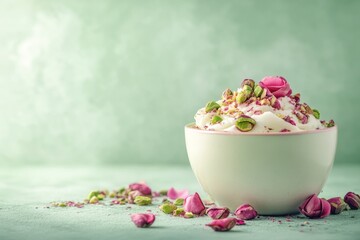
{"type": "Point", "coordinates": [268, 106]}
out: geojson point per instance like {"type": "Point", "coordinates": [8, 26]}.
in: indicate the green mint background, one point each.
{"type": "Point", "coordinates": [114, 82]}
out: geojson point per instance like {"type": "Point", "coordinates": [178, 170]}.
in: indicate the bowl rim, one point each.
{"type": "Point", "coordinates": [190, 127]}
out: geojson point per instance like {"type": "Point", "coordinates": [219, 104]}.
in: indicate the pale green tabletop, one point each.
{"type": "Point", "coordinates": [26, 193]}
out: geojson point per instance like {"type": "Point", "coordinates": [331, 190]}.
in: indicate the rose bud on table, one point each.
{"type": "Point", "coordinates": [314, 207]}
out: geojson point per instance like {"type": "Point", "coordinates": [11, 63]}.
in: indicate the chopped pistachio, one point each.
{"type": "Point", "coordinates": [179, 202]}
{"type": "Point", "coordinates": [245, 123]}
{"type": "Point", "coordinates": [62, 204]}
{"type": "Point", "coordinates": [211, 106]}
{"type": "Point", "coordinates": [100, 196]}
{"type": "Point", "coordinates": [316, 113]}
{"type": "Point", "coordinates": [272, 100]}
{"type": "Point", "coordinates": [178, 212]}
{"type": "Point", "coordinates": [258, 91]}
{"type": "Point", "coordinates": [112, 194]}
{"type": "Point", "coordinates": [168, 208]}
{"type": "Point", "coordinates": [94, 200]}
{"type": "Point", "coordinates": [247, 88]}
{"type": "Point", "coordinates": [264, 93]}
{"type": "Point", "coordinates": [188, 215]}
{"type": "Point", "coordinates": [265, 101]}
{"type": "Point", "coordinates": [122, 190]}
{"type": "Point", "coordinates": [248, 82]}
{"type": "Point", "coordinates": [92, 194]}
{"type": "Point", "coordinates": [227, 94]}
{"type": "Point", "coordinates": [142, 200]}
{"type": "Point", "coordinates": [216, 119]}
{"type": "Point", "coordinates": [331, 123]}
{"type": "Point", "coordinates": [241, 97]}
{"type": "Point", "coordinates": [163, 192]}
{"type": "Point", "coordinates": [308, 109]}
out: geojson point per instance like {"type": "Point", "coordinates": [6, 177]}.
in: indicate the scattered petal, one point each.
{"type": "Point", "coordinates": [218, 212]}
{"type": "Point", "coordinates": [222, 225]}
{"type": "Point", "coordinates": [174, 194]}
{"type": "Point", "coordinates": [141, 187]}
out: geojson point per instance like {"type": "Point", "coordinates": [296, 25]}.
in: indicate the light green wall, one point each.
{"type": "Point", "coordinates": [116, 81]}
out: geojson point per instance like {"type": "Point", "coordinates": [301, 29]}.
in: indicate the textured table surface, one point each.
{"type": "Point", "coordinates": [26, 192]}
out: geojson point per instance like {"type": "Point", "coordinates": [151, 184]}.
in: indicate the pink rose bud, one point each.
{"type": "Point", "coordinates": [142, 187]}
{"type": "Point", "coordinates": [174, 194]}
{"type": "Point", "coordinates": [353, 200]}
{"type": "Point", "coordinates": [314, 207]}
{"type": "Point", "coordinates": [337, 205]}
{"type": "Point", "coordinates": [222, 225]}
{"type": "Point", "coordinates": [218, 212]}
{"type": "Point", "coordinates": [245, 212]}
{"type": "Point", "coordinates": [278, 86]}
{"type": "Point", "coordinates": [143, 220]}
{"type": "Point", "coordinates": [194, 204]}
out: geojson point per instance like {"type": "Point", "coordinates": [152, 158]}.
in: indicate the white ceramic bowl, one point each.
{"type": "Point", "coordinates": [274, 172]}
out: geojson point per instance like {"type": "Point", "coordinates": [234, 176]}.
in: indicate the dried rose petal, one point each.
{"type": "Point", "coordinates": [337, 205]}
{"type": "Point", "coordinates": [353, 200]}
{"type": "Point", "coordinates": [143, 220]}
{"type": "Point", "coordinates": [174, 194]}
{"type": "Point", "coordinates": [194, 204]}
{"type": "Point", "coordinates": [222, 225]}
{"type": "Point", "coordinates": [218, 212]}
{"type": "Point", "coordinates": [141, 187]}
{"type": "Point", "coordinates": [240, 222]}
{"type": "Point", "coordinates": [245, 212]}
{"type": "Point", "coordinates": [314, 207]}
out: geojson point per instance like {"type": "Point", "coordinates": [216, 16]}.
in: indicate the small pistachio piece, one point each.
{"type": "Point", "coordinates": [94, 200]}
{"type": "Point", "coordinates": [258, 91]}
{"type": "Point", "coordinates": [178, 212]}
{"type": "Point", "coordinates": [142, 200]}
{"type": "Point", "coordinates": [62, 204]}
{"type": "Point", "coordinates": [100, 196]}
{"type": "Point", "coordinates": [227, 94]}
{"type": "Point", "coordinates": [168, 208]}
{"type": "Point", "coordinates": [179, 202]}
{"type": "Point", "coordinates": [248, 82]}
{"type": "Point", "coordinates": [245, 123]}
{"type": "Point", "coordinates": [216, 119]}
{"type": "Point", "coordinates": [92, 194]}
{"type": "Point", "coordinates": [188, 215]}
{"type": "Point", "coordinates": [163, 192]}
{"type": "Point", "coordinates": [247, 88]}
{"type": "Point", "coordinates": [112, 194]}
{"type": "Point", "coordinates": [264, 93]}
{"type": "Point", "coordinates": [331, 123]}
{"type": "Point", "coordinates": [241, 97]}
{"type": "Point", "coordinates": [211, 106]}
{"type": "Point", "coordinates": [308, 109]}
{"type": "Point", "coordinates": [316, 113]}
{"type": "Point", "coordinates": [122, 190]}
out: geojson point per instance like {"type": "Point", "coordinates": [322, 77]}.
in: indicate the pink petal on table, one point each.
{"type": "Point", "coordinates": [222, 225]}
{"type": "Point", "coordinates": [174, 194]}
